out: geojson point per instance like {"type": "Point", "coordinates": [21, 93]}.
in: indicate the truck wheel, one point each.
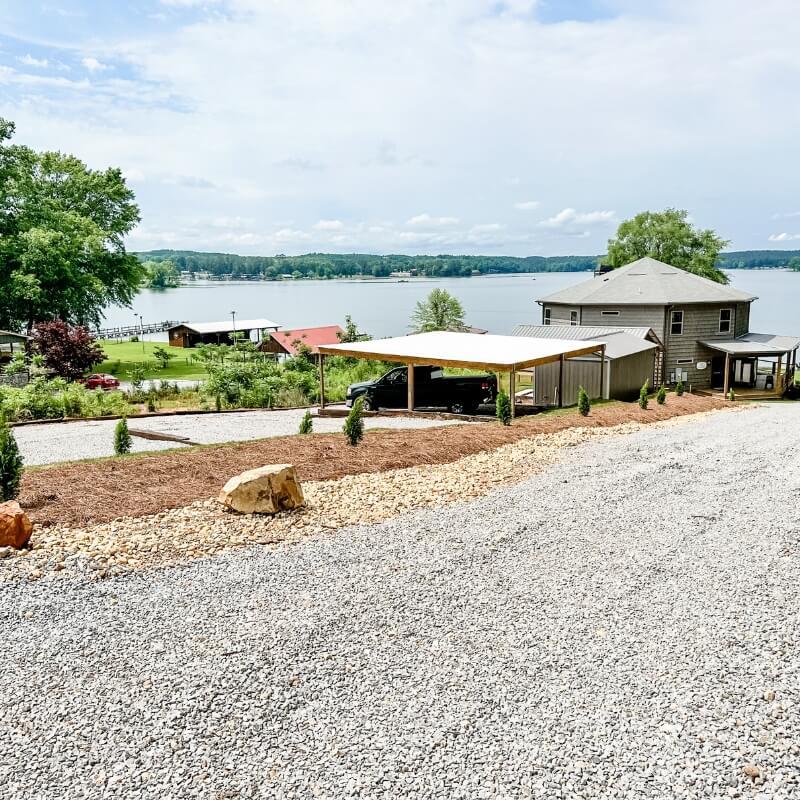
{"type": "Point", "coordinates": [369, 405]}
{"type": "Point", "coordinates": [457, 408]}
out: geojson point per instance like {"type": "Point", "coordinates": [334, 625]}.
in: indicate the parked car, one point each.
{"type": "Point", "coordinates": [460, 394]}
{"type": "Point", "coordinates": [100, 380]}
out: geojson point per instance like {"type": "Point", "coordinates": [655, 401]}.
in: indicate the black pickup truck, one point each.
{"type": "Point", "coordinates": [459, 394]}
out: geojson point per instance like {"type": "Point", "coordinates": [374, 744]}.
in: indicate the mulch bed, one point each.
{"type": "Point", "coordinates": [99, 491]}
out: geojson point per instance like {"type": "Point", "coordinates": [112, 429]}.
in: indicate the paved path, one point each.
{"type": "Point", "coordinates": [71, 441]}
{"type": "Point", "coordinates": [625, 624]}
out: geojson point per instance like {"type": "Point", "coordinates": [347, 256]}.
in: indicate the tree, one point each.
{"type": "Point", "coordinates": [354, 424]}
{"type": "Point", "coordinates": [351, 332]}
{"type": "Point", "coordinates": [62, 229]}
{"type": "Point", "coordinates": [162, 274]}
{"type": "Point", "coordinates": [584, 405]}
{"type": "Point", "coordinates": [122, 438]}
{"type": "Point", "coordinates": [661, 396]}
{"type": "Point", "coordinates": [307, 423]}
{"type": "Point", "coordinates": [503, 408]}
{"type": "Point", "coordinates": [643, 395]}
{"type": "Point", "coordinates": [440, 311]}
{"type": "Point", "coordinates": [669, 237]}
{"type": "Point", "coordinates": [10, 463]}
{"type": "Point", "coordinates": [163, 356]}
{"type": "Point", "coordinates": [70, 351]}
{"type": "Point", "coordinates": [794, 263]}
{"type": "Point", "coordinates": [679, 389]}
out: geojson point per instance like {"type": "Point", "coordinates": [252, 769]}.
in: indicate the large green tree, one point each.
{"type": "Point", "coordinates": [440, 311]}
{"type": "Point", "coordinates": [670, 237]}
{"type": "Point", "coordinates": [62, 229]}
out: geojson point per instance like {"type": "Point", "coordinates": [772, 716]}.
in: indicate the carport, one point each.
{"type": "Point", "coordinates": [462, 350]}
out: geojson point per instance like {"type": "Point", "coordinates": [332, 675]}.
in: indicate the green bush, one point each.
{"type": "Point", "coordinates": [307, 423]}
{"type": "Point", "coordinates": [151, 402]}
{"type": "Point", "coordinates": [584, 405]}
{"type": "Point", "coordinates": [10, 463]}
{"type": "Point", "coordinates": [661, 396]}
{"type": "Point", "coordinates": [354, 424]}
{"type": "Point", "coordinates": [643, 395]}
{"type": "Point", "coordinates": [679, 389]}
{"type": "Point", "coordinates": [54, 399]}
{"type": "Point", "coordinates": [503, 408]}
{"type": "Point", "coordinates": [122, 438]}
{"type": "Point", "coordinates": [731, 395]}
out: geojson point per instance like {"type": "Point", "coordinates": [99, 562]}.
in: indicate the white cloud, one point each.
{"type": "Point", "coordinates": [93, 65]}
{"type": "Point", "coordinates": [427, 221]}
{"type": "Point", "coordinates": [569, 216]}
{"type": "Point", "coordinates": [527, 205]}
{"type": "Point", "coordinates": [788, 215]}
{"type": "Point", "coordinates": [29, 61]}
{"type": "Point", "coordinates": [291, 235]}
{"type": "Point", "coordinates": [783, 237]}
{"type": "Point", "coordinates": [329, 225]}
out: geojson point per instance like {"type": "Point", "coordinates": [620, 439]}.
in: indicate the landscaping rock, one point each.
{"type": "Point", "coordinates": [15, 527]}
{"type": "Point", "coordinates": [266, 490]}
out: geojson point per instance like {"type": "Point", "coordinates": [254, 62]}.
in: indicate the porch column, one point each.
{"type": "Point", "coordinates": [321, 381]}
{"type": "Point", "coordinates": [512, 390]}
{"type": "Point", "coordinates": [727, 382]}
{"type": "Point", "coordinates": [561, 381]}
{"type": "Point", "coordinates": [410, 372]}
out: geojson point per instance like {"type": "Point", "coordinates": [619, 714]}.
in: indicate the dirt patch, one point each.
{"type": "Point", "coordinates": [100, 491]}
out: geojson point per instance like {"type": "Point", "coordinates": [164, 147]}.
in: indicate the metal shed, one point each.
{"type": "Point", "coordinates": [631, 355]}
{"type": "Point", "coordinates": [191, 334]}
{"type": "Point", "coordinates": [509, 354]}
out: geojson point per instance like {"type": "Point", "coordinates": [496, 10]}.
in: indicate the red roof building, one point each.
{"type": "Point", "coordinates": [288, 342]}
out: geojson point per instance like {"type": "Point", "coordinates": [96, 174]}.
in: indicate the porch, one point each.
{"type": "Point", "coordinates": [756, 366]}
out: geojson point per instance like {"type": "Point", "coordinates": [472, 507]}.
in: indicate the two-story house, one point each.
{"type": "Point", "coordinates": [703, 326]}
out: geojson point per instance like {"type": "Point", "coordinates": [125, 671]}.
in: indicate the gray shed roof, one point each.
{"type": "Point", "coordinates": [755, 344]}
{"type": "Point", "coordinates": [647, 282]}
{"type": "Point", "coordinates": [11, 336]}
{"type": "Point", "coordinates": [227, 326]}
{"type": "Point", "coordinates": [620, 342]}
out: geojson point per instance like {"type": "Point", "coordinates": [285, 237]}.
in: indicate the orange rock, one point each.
{"type": "Point", "coordinates": [15, 527]}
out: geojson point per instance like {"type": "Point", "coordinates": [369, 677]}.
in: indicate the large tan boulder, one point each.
{"type": "Point", "coordinates": [265, 490]}
{"type": "Point", "coordinates": [15, 526]}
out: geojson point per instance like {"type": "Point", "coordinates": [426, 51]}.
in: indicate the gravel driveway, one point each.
{"type": "Point", "coordinates": [624, 624]}
{"type": "Point", "coordinates": [71, 441]}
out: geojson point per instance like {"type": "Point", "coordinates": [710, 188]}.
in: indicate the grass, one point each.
{"type": "Point", "coordinates": [124, 355]}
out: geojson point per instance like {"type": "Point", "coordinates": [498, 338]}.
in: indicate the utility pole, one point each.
{"type": "Point", "coordinates": [141, 330]}
{"type": "Point", "coordinates": [233, 317]}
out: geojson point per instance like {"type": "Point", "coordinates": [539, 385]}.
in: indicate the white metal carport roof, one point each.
{"type": "Point", "coordinates": [448, 349]}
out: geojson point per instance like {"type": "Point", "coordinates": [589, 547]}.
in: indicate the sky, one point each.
{"type": "Point", "coordinates": [517, 127]}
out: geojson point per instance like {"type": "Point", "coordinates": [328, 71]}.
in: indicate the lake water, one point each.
{"type": "Point", "coordinates": [384, 307]}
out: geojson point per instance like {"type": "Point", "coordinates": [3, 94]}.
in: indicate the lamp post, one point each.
{"type": "Point", "coordinates": [141, 330]}
{"type": "Point", "coordinates": [233, 318]}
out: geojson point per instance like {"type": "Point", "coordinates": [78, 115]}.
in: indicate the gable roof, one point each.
{"type": "Point", "coordinates": [227, 326]}
{"type": "Point", "coordinates": [312, 338]}
{"type": "Point", "coordinates": [647, 282]}
{"type": "Point", "coordinates": [620, 342]}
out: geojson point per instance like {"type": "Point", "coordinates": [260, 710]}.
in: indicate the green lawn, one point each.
{"type": "Point", "coordinates": [123, 355]}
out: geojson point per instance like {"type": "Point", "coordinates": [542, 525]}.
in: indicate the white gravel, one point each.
{"type": "Point", "coordinates": [71, 441]}
{"type": "Point", "coordinates": [623, 625]}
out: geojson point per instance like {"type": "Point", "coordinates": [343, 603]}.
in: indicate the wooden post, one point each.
{"type": "Point", "coordinates": [727, 382]}
{"type": "Point", "coordinates": [512, 390]}
{"type": "Point", "coordinates": [561, 381]}
{"type": "Point", "coordinates": [410, 373]}
{"type": "Point", "coordinates": [777, 387]}
{"type": "Point", "coordinates": [321, 381]}
{"type": "Point", "coordinates": [602, 369]}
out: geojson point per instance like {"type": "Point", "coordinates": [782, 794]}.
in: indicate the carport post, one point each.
{"type": "Point", "coordinates": [561, 381]}
{"type": "Point", "coordinates": [410, 371]}
{"type": "Point", "coordinates": [512, 390]}
{"type": "Point", "coordinates": [727, 381]}
{"type": "Point", "coordinates": [321, 381]}
{"type": "Point", "coordinates": [602, 369]}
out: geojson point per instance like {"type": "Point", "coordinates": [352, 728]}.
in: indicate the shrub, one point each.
{"type": "Point", "coordinates": [307, 423]}
{"type": "Point", "coordinates": [503, 408]}
{"type": "Point", "coordinates": [162, 356]}
{"type": "Point", "coordinates": [151, 402]}
{"type": "Point", "coordinates": [122, 438]}
{"type": "Point", "coordinates": [661, 396]}
{"type": "Point", "coordinates": [643, 395]}
{"type": "Point", "coordinates": [10, 463]}
{"type": "Point", "coordinates": [69, 351]}
{"type": "Point", "coordinates": [584, 405]}
{"type": "Point", "coordinates": [354, 424]}
{"type": "Point", "coordinates": [679, 389]}
{"type": "Point", "coordinates": [731, 395]}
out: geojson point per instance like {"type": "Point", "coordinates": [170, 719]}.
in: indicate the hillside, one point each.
{"type": "Point", "coordinates": [337, 265]}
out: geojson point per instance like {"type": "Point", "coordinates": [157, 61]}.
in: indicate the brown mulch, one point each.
{"type": "Point", "coordinates": [99, 491]}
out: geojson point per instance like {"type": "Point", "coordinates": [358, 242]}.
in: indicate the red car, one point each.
{"type": "Point", "coordinates": [101, 380]}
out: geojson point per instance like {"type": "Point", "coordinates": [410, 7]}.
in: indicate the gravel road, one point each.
{"type": "Point", "coordinates": [624, 624]}
{"type": "Point", "coordinates": [71, 441]}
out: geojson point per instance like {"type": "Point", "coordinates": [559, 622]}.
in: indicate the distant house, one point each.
{"type": "Point", "coordinates": [191, 334]}
{"type": "Point", "coordinates": [704, 326]}
{"type": "Point", "coordinates": [11, 342]}
{"type": "Point", "coordinates": [631, 356]}
{"type": "Point", "coordinates": [289, 342]}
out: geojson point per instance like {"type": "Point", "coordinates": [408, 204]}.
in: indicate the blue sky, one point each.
{"type": "Point", "coordinates": [470, 126]}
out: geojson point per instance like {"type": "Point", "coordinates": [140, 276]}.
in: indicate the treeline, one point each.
{"type": "Point", "coordinates": [333, 265]}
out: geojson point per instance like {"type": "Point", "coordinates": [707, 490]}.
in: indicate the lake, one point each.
{"type": "Point", "coordinates": [384, 307]}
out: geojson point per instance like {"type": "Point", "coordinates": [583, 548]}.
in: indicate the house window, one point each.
{"type": "Point", "coordinates": [676, 323]}
{"type": "Point", "coordinates": [725, 319]}
{"type": "Point", "coordinates": [573, 317]}
{"type": "Point", "coordinates": [609, 313]}
{"type": "Point", "coordinates": [546, 318]}
{"type": "Point", "coordinates": [684, 361]}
